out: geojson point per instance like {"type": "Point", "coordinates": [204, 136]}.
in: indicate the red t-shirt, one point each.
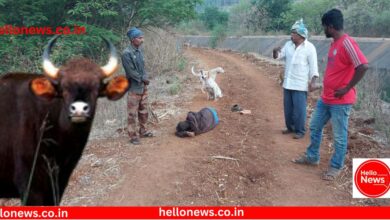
{"type": "Point", "coordinates": [343, 57]}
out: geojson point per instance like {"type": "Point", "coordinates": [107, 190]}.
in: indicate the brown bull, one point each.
{"type": "Point", "coordinates": [45, 123]}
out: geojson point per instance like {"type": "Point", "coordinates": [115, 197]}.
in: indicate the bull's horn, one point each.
{"type": "Point", "coordinates": [48, 67]}
{"type": "Point", "coordinates": [193, 72]}
{"type": "Point", "coordinates": [112, 64]}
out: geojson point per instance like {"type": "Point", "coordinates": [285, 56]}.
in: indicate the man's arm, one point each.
{"type": "Point", "coordinates": [313, 70]}
{"type": "Point", "coordinates": [145, 77]}
{"type": "Point", "coordinates": [129, 67]}
{"type": "Point", "coordinates": [360, 71]}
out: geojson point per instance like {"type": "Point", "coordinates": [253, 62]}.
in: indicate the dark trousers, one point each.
{"type": "Point", "coordinates": [295, 110]}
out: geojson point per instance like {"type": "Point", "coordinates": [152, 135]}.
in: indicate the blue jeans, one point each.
{"type": "Point", "coordinates": [295, 110]}
{"type": "Point", "coordinates": [339, 115]}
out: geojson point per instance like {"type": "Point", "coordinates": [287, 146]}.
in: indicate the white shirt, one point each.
{"type": "Point", "coordinates": [301, 65]}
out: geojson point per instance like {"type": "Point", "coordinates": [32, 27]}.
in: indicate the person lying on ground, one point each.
{"type": "Point", "coordinates": [197, 123]}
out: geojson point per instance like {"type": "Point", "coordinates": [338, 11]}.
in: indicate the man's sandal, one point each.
{"type": "Point", "coordinates": [147, 134]}
{"type": "Point", "coordinates": [135, 141]}
{"type": "Point", "coordinates": [236, 108]}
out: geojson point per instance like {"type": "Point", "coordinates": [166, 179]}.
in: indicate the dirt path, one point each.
{"type": "Point", "coordinates": [170, 171]}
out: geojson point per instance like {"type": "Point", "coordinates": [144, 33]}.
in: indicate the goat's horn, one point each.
{"type": "Point", "coordinates": [112, 64]}
{"type": "Point", "coordinates": [48, 67]}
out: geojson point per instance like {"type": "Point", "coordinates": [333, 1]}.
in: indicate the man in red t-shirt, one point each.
{"type": "Point", "coordinates": [345, 68]}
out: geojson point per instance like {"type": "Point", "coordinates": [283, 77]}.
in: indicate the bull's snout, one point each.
{"type": "Point", "coordinates": [79, 111]}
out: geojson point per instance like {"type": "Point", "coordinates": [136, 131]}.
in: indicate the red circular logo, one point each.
{"type": "Point", "coordinates": [372, 178]}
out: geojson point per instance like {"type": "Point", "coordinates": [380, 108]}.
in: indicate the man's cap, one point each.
{"type": "Point", "coordinates": [300, 28]}
{"type": "Point", "coordinates": [134, 33]}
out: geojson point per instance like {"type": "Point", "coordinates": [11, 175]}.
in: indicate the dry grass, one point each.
{"type": "Point", "coordinates": [370, 105]}
{"type": "Point", "coordinates": [162, 52]}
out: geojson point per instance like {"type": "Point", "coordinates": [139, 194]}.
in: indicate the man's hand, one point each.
{"type": "Point", "coordinates": [190, 133]}
{"type": "Point", "coordinates": [276, 52]}
{"type": "Point", "coordinates": [314, 86]}
{"type": "Point", "coordinates": [341, 92]}
{"type": "Point", "coordinates": [359, 73]}
{"type": "Point", "coordinates": [146, 82]}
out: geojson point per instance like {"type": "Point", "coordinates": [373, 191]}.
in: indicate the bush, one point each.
{"type": "Point", "coordinates": [213, 17]}
{"type": "Point", "coordinates": [218, 35]}
{"type": "Point", "coordinates": [182, 63]}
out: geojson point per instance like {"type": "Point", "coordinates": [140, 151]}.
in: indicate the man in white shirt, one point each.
{"type": "Point", "coordinates": [301, 72]}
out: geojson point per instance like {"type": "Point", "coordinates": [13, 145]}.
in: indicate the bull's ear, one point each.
{"type": "Point", "coordinates": [42, 87]}
{"type": "Point", "coordinates": [115, 88]}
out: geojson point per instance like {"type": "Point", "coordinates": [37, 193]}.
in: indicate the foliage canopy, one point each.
{"type": "Point", "coordinates": [109, 18]}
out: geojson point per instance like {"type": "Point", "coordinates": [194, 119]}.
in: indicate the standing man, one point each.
{"type": "Point", "coordinates": [301, 72]}
{"type": "Point", "coordinates": [345, 68]}
{"type": "Point", "coordinates": [133, 63]}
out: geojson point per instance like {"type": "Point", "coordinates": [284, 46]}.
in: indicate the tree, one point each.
{"type": "Point", "coordinates": [382, 24]}
{"type": "Point", "coordinates": [109, 18]}
{"type": "Point", "coordinates": [212, 17]}
{"type": "Point", "coordinates": [310, 11]}
{"type": "Point", "coordinates": [367, 18]}
{"type": "Point", "coordinates": [158, 12]}
{"type": "Point", "coordinates": [266, 14]}
{"type": "Point", "coordinates": [238, 18]}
